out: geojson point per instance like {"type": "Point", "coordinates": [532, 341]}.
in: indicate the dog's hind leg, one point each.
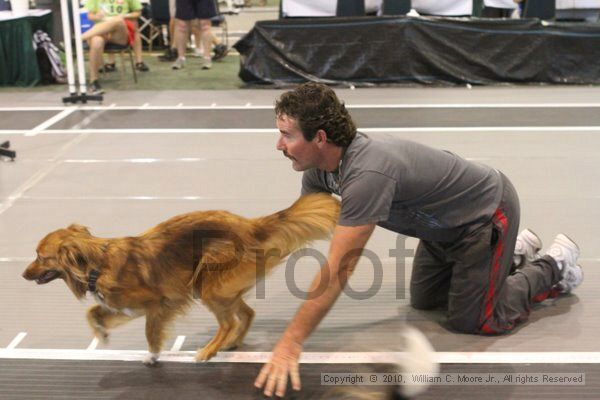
{"type": "Point", "coordinates": [228, 325]}
{"type": "Point", "coordinates": [245, 315]}
{"type": "Point", "coordinates": [102, 319]}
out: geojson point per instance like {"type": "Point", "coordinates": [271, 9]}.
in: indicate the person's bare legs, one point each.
{"type": "Point", "coordinates": [181, 34]}
{"type": "Point", "coordinates": [172, 32]}
{"type": "Point", "coordinates": [96, 44]}
{"type": "Point", "coordinates": [137, 43]}
{"type": "Point", "coordinates": [113, 30]}
{"type": "Point", "coordinates": [206, 37]}
{"type": "Point", "coordinates": [197, 32]}
{"type": "Point", "coordinates": [113, 27]}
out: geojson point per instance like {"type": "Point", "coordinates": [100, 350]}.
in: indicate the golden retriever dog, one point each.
{"type": "Point", "coordinates": [216, 256]}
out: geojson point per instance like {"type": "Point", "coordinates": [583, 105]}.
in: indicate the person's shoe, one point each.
{"type": "Point", "coordinates": [95, 87]}
{"type": "Point", "coordinates": [169, 55]}
{"type": "Point", "coordinates": [564, 251]}
{"type": "Point", "coordinates": [179, 63]}
{"type": "Point", "coordinates": [527, 248]}
{"type": "Point", "coordinates": [108, 67]}
{"type": "Point", "coordinates": [197, 53]}
{"type": "Point", "coordinates": [141, 66]}
{"type": "Point", "coordinates": [220, 52]}
{"type": "Point", "coordinates": [572, 277]}
{"type": "Point", "coordinates": [206, 63]}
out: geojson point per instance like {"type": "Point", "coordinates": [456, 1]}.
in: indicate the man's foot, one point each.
{"type": "Point", "coordinates": [565, 252]}
{"type": "Point", "coordinates": [169, 55]}
{"type": "Point", "coordinates": [572, 278]}
{"type": "Point", "coordinates": [527, 248]}
{"type": "Point", "coordinates": [179, 63]}
{"type": "Point", "coordinates": [95, 88]}
{"type": "Point", "coordinates": [220, 52]}
{"type": "Point", "coordinates": [206, 63]}
{"type": "Point", "coordinates": [108, 67]}
{"type": "Point", "coordinates": [141, 66]}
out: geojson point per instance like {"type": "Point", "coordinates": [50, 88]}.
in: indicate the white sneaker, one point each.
{"type": "Point", "coordinates": [527, 248]}
{"type": "Point", "coordinates": [179, 63]}
{"type": "Point", "coordinates": [565, 252]}
{"type": "Point", "coordinates": [206, 63]}
{"type": "Point", "coordinates": [197, 53]}
{"type": "Point", "coordinates": [572, 278]}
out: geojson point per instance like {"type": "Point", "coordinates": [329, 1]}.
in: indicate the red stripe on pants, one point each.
{"type": "Point", "coordinates": [500, 218]}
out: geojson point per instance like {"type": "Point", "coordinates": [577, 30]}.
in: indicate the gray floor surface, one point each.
{"type": "Point", "coordinates": [121, 183]}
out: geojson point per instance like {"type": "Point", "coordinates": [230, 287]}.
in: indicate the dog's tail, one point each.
{"type": "Point", "coordinates": [311, 217]}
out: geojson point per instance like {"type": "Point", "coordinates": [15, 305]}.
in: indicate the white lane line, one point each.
{"type": "Point", "coordinates": [16, 259]}
{"type": "Point", "coordinates": [545, 129]}
{"type": "Point", "coordinates": [15, 342]}
{"type": "Point", "coordinates": [51, 121]}
{"type": "Point", "coordinates": [179, 105]}
{"type": "Point", "coordinates": [78, 198]}
{"type": "Point", "coordinates": [93, 345]}
{"type": "Point", "coordinates": [34, 108]}
{"type": "Point", "coordinates": [476, 129]}
{"type": "Point", "coordinates": [311, 357]}
{"type": "Point", "coordinates": [135, 160]}
{"type": "Point", "coordinates": [178, 343]}
{"type": "Point", "coordinates": [348, 105]}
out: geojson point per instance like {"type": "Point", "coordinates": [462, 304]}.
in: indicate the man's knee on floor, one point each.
{"type": "Point", "coordinates": [462, 325]}
{"type": "Point", "coordinates": [427, 303]}
{"type": "Point", "coordinates": [475, 327]}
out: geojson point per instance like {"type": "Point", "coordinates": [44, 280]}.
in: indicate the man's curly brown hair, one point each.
{"type": "Point", "coordinates": [315, 106]}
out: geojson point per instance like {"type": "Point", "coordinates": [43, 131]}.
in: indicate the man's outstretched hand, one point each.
{"type": "Point", "coordinates": [284, 361]}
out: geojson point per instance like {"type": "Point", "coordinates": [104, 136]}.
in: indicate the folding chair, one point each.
{"type": "Point", "coordinates": [113, 48]}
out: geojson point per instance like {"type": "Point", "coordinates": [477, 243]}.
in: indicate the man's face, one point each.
{"type": "Point", "coordinates": [291, 142]}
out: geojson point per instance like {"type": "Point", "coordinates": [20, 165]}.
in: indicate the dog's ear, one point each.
{"type": "Point", "coordinates": [77, 257]}
{"type": "Point", "coordinates": [70, 254]}
{"type": "Point", "coordinates": [79, 229]}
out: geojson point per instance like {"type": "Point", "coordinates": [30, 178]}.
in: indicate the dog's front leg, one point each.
{"type": "Point", "coordinates": [155, 335]}
{"type": "Point", "coordinates": [101, 319]}
{"type": "Point", "coordinates": [95, 317]}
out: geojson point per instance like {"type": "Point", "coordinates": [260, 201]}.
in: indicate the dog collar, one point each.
{"type": "Point", "coordinates": [94, 274]}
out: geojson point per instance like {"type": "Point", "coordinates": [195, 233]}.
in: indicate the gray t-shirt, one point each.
{"type": "Point", "coordinates": [409, 188]}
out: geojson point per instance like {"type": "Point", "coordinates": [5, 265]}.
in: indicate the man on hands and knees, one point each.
{"type": "Point", "coordinates": [465, 214]}
{"type": "Point", "coordinates": [113, 23]}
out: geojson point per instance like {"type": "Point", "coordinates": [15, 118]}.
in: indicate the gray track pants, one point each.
{"type": "Point", "coordinates": [472, 276]}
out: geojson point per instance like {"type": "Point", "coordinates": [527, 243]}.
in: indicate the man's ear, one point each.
{"type": "Point", "coordinates": [321, 137]}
